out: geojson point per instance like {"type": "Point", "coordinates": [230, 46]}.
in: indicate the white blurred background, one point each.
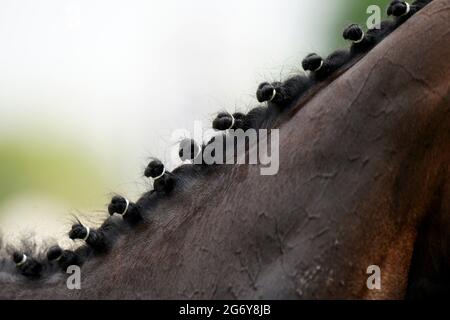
{"type": "Point", "coordinates": [89, 90]}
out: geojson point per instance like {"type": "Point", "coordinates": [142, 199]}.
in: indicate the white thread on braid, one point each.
{"type": "Point", "coordinates": [274, 93]}
{"type": "Point", "coordinates": [163, 172]}
{"type": "Point", "coordinates": [24, 259]}
{"type": "Point", "coordinates": [88, 231]}
{"type": "Point", "coordinates": [126, 206]}
{"type": "Point", "coordinates": [361, 39]}
{"type": "Point", "coordinates": [232, 122]}
{"type": "Point", "coordinates": [319, 67]}
{"type": "Point", "coordinates": [408, 8]}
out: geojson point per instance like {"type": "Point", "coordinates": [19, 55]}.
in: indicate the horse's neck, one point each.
{"type": "Point", "coordinates": [358, 168]}
{"type": "Point", "coordinates": [359, 165]}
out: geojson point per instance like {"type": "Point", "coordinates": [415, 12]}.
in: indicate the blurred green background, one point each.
{"type": "Point", "coordinates": [104, 73]}
{"type": "Point", "coordinates": [52, 169]}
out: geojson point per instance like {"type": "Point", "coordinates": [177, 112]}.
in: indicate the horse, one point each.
{"type": "Point", "coordinates": [364, 180]}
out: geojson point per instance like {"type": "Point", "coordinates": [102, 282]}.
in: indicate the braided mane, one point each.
{"type": "Point", "coordinates": [279, 101]}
